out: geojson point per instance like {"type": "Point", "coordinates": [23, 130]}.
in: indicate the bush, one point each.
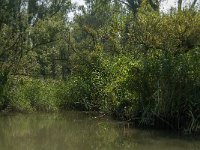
{"type": "Point", "coordinates": [75, 94]}
{"type": "Point", "coordinates": [168, 86]}
{"type": "Point", "coordinates": [34, 95]}
{"type": "Point", "coordinates": [3, 90]}
{"type": "Point", "coordinates": [118, 99]}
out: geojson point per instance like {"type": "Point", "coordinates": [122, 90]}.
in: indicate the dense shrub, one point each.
{"type": "Point", "coordinates": [168, 86]}
{"type": "Point", "coordinates": [75, 94]}
{"type": "Point", "coordinates": [3, 90]}
{"type": "Point", "coordinates": [33, 95]}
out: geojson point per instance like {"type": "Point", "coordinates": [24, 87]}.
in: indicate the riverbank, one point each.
{"type": "Point", "coordinates": [29, 95]}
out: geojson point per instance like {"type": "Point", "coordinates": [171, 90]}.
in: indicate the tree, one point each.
{"type": "Point", "coordinates": [134, 5]}
{"type": "Point", "coordinates": [192, 6]}
{"type": "Point", "coordinates": [27, 27]}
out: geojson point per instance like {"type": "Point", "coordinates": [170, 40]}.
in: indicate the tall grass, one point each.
{"type": "Point", "coordinates": [168, 86]}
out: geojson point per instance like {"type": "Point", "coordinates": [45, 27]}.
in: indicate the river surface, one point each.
{"type": "Point", "coordinates": [83, 131]}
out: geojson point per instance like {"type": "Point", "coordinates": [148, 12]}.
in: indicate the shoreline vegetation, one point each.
{"type": "Point", "coordinates": [131, 62]}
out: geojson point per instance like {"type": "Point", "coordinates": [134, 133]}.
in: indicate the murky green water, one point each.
{"type": "Point", "coordinates": [82, 131]}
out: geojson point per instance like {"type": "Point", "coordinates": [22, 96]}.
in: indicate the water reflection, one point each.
{"type": "Point", "coordinates": [81, 131]}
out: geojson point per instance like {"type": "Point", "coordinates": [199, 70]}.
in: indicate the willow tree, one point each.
{"type": "Point", "coordinates": [27, 29]}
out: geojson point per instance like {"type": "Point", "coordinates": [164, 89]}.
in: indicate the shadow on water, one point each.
{"type": "Point", "coordinates": [83, 131]}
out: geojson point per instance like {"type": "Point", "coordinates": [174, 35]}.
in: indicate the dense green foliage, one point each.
{"type": "Point", "coordinates": [131, 61]}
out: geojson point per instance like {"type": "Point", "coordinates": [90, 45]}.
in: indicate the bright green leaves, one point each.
{"type": "Point", "coordinates": [178, 32]}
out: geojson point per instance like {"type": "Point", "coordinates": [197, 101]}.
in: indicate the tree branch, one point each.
{"type": "Point", "coordinates": [193, 4]}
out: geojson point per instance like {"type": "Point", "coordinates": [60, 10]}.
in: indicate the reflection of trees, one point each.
{"type": "Point", "coordinates": [76, 131]}
{"type": "Point", "coordinates": [51, 132]}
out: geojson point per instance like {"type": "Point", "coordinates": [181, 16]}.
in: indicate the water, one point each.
{"type": "Point", "coordinates": [83, 131]}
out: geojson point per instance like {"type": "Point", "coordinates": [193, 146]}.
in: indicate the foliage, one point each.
{"type": "Point", "coordinates": [125, 58]}
{"type": "Point", "coordinates": [33, 95]}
